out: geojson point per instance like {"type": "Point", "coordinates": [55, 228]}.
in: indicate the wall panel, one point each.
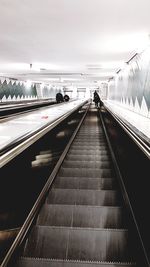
{"type": "Point", "coordinates": [131, 86]}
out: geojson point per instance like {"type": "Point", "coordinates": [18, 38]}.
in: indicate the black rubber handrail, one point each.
{"type": "Point", "coordinates": [10, 111]}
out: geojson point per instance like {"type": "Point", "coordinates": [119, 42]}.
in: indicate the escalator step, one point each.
{"type": "Point", "coordinates": [89, 142]}
{"type": "Point", "coordinates": [90, 139]}
{"type": "Point", "coordinates": [83, 197]}
{"type": "Point", "coordinates": [90, 136]}
{"type": "Point", "coordinates": [82, 216]}
{"type": "Point", "coordinates": [32, 262]}
{"type": "Point", "coordinates": [97, 137]}
{"type": "Point", "coordinates": [85, 183]}
{"type": "Point", "coordinates": [88, 157]}
{"type": "Point", "coordinates": [90, 133]}
{"type": "Point", "coordinates": [90, 147]}
{"type": "Point", "coordinates": [78, 244]}
{"type": "Point", "coordinates": [87, 130]}
{"type": "Point", "coordinates": [86, 164]}
{"type": "Point", "coordinates": [84, 172]}
{"type": "Point", "coordinates": [87, 151]}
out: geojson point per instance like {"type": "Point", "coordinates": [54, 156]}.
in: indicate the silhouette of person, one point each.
{"type": "Point", "coordinates": [97, 99]}
{"type": "Point", "coordinates": [66, 98]}
{"type": "Point", "coordinates": [59, 98]}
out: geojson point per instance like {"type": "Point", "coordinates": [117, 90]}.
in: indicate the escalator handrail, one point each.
{"type": "Point", "coordinates": [17, 146]}
{"type": "Point", "coordinates": [142, 144]}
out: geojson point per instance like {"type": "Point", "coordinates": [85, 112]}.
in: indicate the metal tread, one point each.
{"type": "Point", "coordinates": [83, 197]}
{"type": "Point", "coordinates": [86, 172]}
{"type": "Point", "coordinates": [85, 183]}
{"type": "Point", "coordinates": [99, 147]}
{"type": "Point", "coordinates": [88, 152]}
{"type": "Point", "coordinates": [82, 216]}
{"type": "Point", "coordinates": [49, 262]}
{"type": "Point", "coordinates": [111, 207]}
{"type": "Point", "coordinates": [96, 158]}
{"type": "Point", "coordinates": [87, 164]}
{"type": "Point", "coordinates": [53, 227]}
{"type": "Point", "coordinates": [85, 145]}
{"type": "Point", "coordinates": [79, 244]}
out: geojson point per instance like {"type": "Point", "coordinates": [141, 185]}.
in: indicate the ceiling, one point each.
{"type": "Point", "coordinates": [70, 42]}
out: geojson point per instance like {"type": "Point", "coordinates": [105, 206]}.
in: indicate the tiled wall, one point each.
{"type": "Point", "coordinates": [12, 90]}
{"type": "Point", "coordinates": [131, 87]}
{"type": "Point", "coordinates": [17, 90]}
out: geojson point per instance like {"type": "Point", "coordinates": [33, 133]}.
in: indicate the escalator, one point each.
{"type": "Point", "coordinates": [83, 221]}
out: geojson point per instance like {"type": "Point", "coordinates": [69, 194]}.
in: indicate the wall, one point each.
{"type": "Point", "coordinates": [47, 91]}
{"type": "Point", "coordinates": [131, 86]}
{"type": "Point", "coordinates": [11, 90]}
{"type": "Point", "coordinates": [16, 90]}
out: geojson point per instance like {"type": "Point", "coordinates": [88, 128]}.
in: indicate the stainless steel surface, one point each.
{"type": "Point", "coordinates": [82, 216]}
{"type": "Point", "coordinates": [31, 262]}
{"type": "Point", "coordinates": [84, 183]}
{"type": "Point", "coordinates": [83, 197]}
{"type": "Point", "coordinates": [78, 244]}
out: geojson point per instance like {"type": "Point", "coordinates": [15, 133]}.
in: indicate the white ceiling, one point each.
{"type": "Point", "coordinates": [73, 37]}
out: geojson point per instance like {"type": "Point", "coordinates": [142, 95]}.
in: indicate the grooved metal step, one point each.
{"type": "Point", "coordinates": [84, 172]}
{"type": "Point", "coordinates": [87, 130]}
{"type": "Point", "coordinates": [78, 244]}
{"type": "Point", "coordinates": [87, 164]}
{"type": "Point", "coordinates": [93, 157]}
{"type": "Point", "coordinates": [83, 197]}
{"type": "Point", "coordinates": [90, 138]}
{"type": "Point", "coordinates": [85, 183]}
{"type": "Point", "coordinates": [90, 143]}
{"type": "Point", "coordinates": [90, 147]}
{"type": "Point", "coordinates": [87, 151]}
{"type": "Point", "coordinates": [82, 216]}
{"type": "Point", "coordinates": [37, 262]}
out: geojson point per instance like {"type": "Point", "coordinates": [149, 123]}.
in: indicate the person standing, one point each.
{"type": "Point", "coordinates": [66, 98]}
{"type": "Point", "coordinates": [59, 98]}
{"type": "Point", "coordinates": [97, 99]}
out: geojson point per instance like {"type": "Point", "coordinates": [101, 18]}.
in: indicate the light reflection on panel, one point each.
{"type": "Point", "coordinates": [24, 124]}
